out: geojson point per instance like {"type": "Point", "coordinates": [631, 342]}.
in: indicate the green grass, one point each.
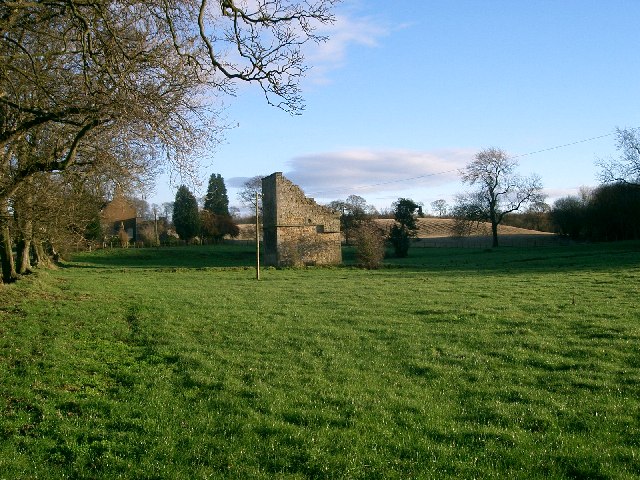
{"type": "Point", "coordinates": [448, 364]}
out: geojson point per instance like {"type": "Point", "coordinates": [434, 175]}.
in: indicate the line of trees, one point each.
{"type": "Point", "coordinates": [610, 212]}
{"type": "Point", "coordinates": [354, 210]}
{"type": "Point", "coordinates": [99, 93]}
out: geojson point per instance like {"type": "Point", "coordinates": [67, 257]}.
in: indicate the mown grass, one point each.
{"type": "Point", "coordinates": [448, 364]}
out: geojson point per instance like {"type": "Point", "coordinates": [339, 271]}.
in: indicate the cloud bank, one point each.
{"type": "Point", "coordinates": [361, 171]}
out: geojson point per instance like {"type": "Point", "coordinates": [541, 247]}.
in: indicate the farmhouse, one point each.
{"type": "Point", "coordinates": [296, 230]}
{"type": "Point", "coordinates": [119, 213]}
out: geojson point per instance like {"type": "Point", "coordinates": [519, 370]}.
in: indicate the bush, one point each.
{"type": "Point", "coordinates": [405, 225]}
{"type": "Point", "coordinates": [400, 239]}
{"type": "Point", "coordinates": [369, 240]}
{"type": "Point", "coordinates": [123, 237]}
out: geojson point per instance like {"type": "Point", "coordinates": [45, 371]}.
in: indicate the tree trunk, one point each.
{"type": "Point", "coordinates": [9, 274]}
{"type": "Point", "coordinates": [22, 212]}
{"type": "Point", "coordinates": [24, 248]}
{"type": "Point", "coordinates": [23, 260]}
{"type": "Point", "coordinates": [494, 233]}
{"type": "Point", "coordinates": [6, 249]}
{"type": "Point", "coordinates": [42, 259]}
{"type": "Point", "coordinates": [493, 216]}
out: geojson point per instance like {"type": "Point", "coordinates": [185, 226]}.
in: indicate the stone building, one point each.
{"type": "Point", "coordinates": [296, 230]}
{"type": "Point", "coordinates": [117, 215]}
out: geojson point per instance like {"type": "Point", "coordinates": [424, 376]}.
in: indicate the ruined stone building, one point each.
{"type": "Point", "coordinates": [296, 230]}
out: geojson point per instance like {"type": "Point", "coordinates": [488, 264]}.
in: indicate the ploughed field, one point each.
{"type": "Point", "coordinates": [440, 232]}
{"type": "Point", "coordinates": [451, 363]}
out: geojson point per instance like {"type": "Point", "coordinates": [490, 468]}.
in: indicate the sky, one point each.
{"type": "Point", "coordinates": [404, 94]}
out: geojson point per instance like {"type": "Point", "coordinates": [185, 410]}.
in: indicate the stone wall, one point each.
{"type": "Point", "coordinates": [296, 230]}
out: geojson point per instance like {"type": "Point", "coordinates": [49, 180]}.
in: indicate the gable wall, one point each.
{"type": "Point", "coordinates": [297, 231]}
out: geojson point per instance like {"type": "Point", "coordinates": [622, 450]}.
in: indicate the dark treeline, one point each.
{"type": "Point", "coordinates": [611, 212]}
{"type": "Point", "coordinates": [532, 219]}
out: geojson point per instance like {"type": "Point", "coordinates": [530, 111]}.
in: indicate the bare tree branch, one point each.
{"type": "Point", "coordinates": [625, 168]}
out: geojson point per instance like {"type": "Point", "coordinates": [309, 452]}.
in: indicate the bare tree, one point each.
{"type": "Point", "coordinates": [353, 211]}
{"type": "Point", "coordinates": [247, 194]}
{"type": "Point", "coordinates": [440, 207]}
{"type": "Point", "coordinates": [116, 87]}
{"type": "Point", "coordinates": [499, 190]}
{"type": "Point", "coordinates": [625, 168]}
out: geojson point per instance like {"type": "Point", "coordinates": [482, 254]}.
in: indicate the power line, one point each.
{"type": "Point", "coordinates": [388, 182]}
{"type": "Point", "coordinates": [556, 147]}
{"type": "Point", "coordinates": [564, 145]}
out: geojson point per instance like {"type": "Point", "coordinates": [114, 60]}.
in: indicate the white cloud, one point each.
{"type": "Point", "coordinates": [344, 33]}
{"type": "Point", "coordinates": [554, 194]}
{"type": "Point", "coordinates": [360, 171]}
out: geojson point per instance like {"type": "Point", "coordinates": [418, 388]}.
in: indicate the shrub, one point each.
{"type": "Point", "coordinates": [123, 237]}
{"type": "Point", "coordinates": [399, 238]}
{"type": "Point", "coordinates": [369, 240]}
{"type": "Point", "coordinates": [405, 225]}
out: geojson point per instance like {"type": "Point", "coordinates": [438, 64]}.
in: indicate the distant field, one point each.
{"type": "Point", "coordinates": [439, 232]}
{"type": "Point", "coordinates": [434, 227]}
{"type": "Point", "coordinates": [451, 363]}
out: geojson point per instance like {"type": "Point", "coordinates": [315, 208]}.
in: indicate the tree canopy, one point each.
{"type": "Point", "coordinates": [353, 211]}
{"type": "Point", "coordinates": [440, 207]}
{"type": "Point", "coordinates": [251, 188]}
{"type": "Point", "coordinates": [135, 72]}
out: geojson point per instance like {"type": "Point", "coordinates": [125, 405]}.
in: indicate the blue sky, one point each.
{"type": "Point", "coordinates": [405, 93]}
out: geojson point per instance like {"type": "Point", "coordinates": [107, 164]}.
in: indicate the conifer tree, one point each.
{"type": "Point", "coordinates": [186, 218]}
{"type": "Point", "coordinates": [216, 201]}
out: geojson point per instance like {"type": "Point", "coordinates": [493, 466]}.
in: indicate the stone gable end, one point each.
{"type": "Point", "coordinates": [296, 230]}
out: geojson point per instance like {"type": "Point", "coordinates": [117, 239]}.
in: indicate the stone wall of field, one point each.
{"type": "Point", "coordinates": [296, 230]}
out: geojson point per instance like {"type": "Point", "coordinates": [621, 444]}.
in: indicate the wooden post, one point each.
{"type": "Point", "coordinates": [155, 226]}
{"type": "Point", "coordinates": [257, 240]}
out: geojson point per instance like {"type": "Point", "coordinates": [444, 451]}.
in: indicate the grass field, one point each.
{"type": "Point", "coordinates": [161, 364]}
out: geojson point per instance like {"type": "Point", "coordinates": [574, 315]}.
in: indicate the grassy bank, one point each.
{"type": "Point", "coordinates": [454, 363]}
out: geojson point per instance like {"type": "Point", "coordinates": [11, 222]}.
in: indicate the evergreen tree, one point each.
{"type": "Point", "coordinates": [405, 225]}
{"type": "Point", "coordinates": [216, 201]}
{"type": "Point", "coordinates": [186, 218]}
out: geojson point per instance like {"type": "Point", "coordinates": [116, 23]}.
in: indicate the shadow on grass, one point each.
{"type": "Point", "coordinates": [205, 256]}
{"type": "Point", "coordinates": [508, 260]}
{"type": "Point", "coordinates": [513, 260]}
